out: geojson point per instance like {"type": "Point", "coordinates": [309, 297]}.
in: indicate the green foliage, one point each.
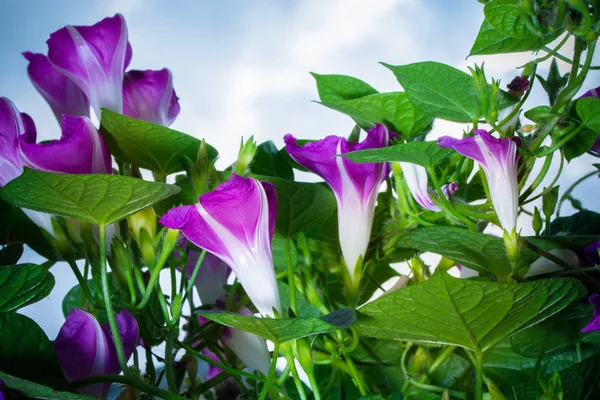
{"type": "Point", "coordinates": [300, 205]}
{"type": "Point", "coordinates": [366, 106]}
{"type": "Point", "coordinates": [99, 199]}
{"type": "Point", "coordinates": [26, 351]}
{"type": "Point", "coordinates": [35, 390]}
{"type": "Point", "coordinates": [426, 154]}
{"type": "Point", "coordinates": [471, 314]}
{"type": "Point", "coordinates": [269, 161]}
{"type": "Point", "coordinates": [284, 329]}
{"type": "Point", "coordinates": [154, 147]}
{"type": "Point", "coordinates": [24, 284]}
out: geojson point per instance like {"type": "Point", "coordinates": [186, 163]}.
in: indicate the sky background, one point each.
{"type": "Point", "coordinates": [242, 68]}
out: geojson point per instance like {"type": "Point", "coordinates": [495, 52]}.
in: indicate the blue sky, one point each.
{"type": "Point", "coordinates": [242, 68]}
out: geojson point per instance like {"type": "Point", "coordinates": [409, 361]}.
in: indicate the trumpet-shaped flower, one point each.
{"type": "Point", "coordinates": [355, 186]}
{"type": "Point", "coordinates": [236, 223]}
{"type": "Point", "coordinates": [94, 58]}
{"type": "Point", "coordinates": [80, 150]}
{"type": "Point", "coordinates": [417, 182]}
{"type": "Point", "coordinates": [498, 159]}
{"type": "Point", "coordinates": [149, 96]}
{"type": "Point", "coordinates": [63, 96]}
{"type": "Point", "coordinates": [85, 348]}
{"type": "Point", "coordinates": [594, 324]}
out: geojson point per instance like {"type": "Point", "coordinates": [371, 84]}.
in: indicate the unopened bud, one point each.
{"type": "Point", "coordinates": [400, 283]}
{"type": "Point", "coordinates": [122, 267]}
{"type": "Point", "coordinates": [59, 240]}
{"type": "Point", "coordinates": [492, 110]}
{"type": "Point", "coordinates": [146, 245]}
{"type": "Point", "coordinates": [245, 156]}
{"type": "Point", "coordinates": [537, 222]}
{"type": "Point", "coordinates": [418, 269]}
{"type": "Point", "coordinates": [203, 172]}
{"type": "Point", "coordinates": [144, 219]}
{"type": "Point", "coordinates": [518, 86]}
{"type": "Point", "coordinates": [74, 229]}
{"type": "Point", "coordinates": [495, 392]}
{"type": "Point", "coordinates": [527, 128]}
{"type": "Point", "coordinates": [303, 355]}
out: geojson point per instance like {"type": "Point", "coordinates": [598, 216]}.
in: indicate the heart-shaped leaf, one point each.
{"type": "Point", "coordinates": [283, 329]}
{"type": "Point", "coordinates": [99, 199]}
{"type": "Point", "coordinates": [472, 314]}
{"type": "Point", "coordinates": [426, 154]}
{"type": "Point", "coordinates": [24, 284]}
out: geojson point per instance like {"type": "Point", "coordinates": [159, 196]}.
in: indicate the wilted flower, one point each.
{"type": "Point", "coordinates": [594, 324]}
{"type": "Point", "coordinates": [355, 186]}
{"type": "Point", "coordinates": [518, 86]}
{"type": "Point", "coordinates": [417, 182]}
{"type": "Point", "coordinates": [149, 96]}
{"type": "Point", "coordinates": [236, 223]}
{"type": "Point", "coordinates": [85, 348]}
{"type": "Point", "coordinates": [498, 159]}
{"type": "Point", "coordinates": [94, 58]}
{"type": "Point", "coordinates": [63, 96]}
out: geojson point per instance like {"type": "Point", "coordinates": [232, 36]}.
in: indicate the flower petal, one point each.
{"type": "Point", "coordinates": [234, 223]}
{"type": "Point", "coordinates": [80, 150]}
{"type": "Point", "coordinates": [251, 349]}
{"type": "Point", "coordinates": [417, 182]}
{"type": "Point", "coordinates": [498, 159]}
{"type": "Point", "coordinates": [12, 126]}
{"type": "Point", "coordinates": [149, 96]}
{"type": "Point", "coordinates": [63, 96]}
{"type": "Point", "coordinates": [83, 351]}
{"type": "Point", "coordinates": [129, 332]}
{"type": "Point", "coordinates": [94, 58]}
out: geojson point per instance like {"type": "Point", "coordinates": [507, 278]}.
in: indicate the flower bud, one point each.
{"type": "Point", "coordinates": [245, 156]}
{"type": "Point", "coordinates": [481, 88]}
{"type": "Point", "coordinates": [492, 111]}
{"type": "Point", "coordinates": [143, 220]}
{"type": "Point", "coordinates": [203, 173]}
{"type": "Point", "coordinates": [303, 355]}
{"type": "Point", "coordinates": [537, 221]}
{"type": "Point", "coordinates": [59, 239]}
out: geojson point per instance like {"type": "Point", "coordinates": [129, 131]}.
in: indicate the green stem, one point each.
{"type": "Point", "coordinates": [190, 284]}
{"type": "Point", "coordinates": [110, 312]}
{"type": "Point", "coordinates": [440, 359]}
{"type": "Point", "coordinates": [221, 366]}
{"type": "Point", "coordinates": [169, 360]}
{"type": "Point", "coordinates": [290, 275]}
{"type": "Point", "coordinates": [82, 282]}
{"type": "Point", "coordinates": [553, 148]}
{"type": "Point", "coordinates": [153, 279]}
{"type": "Point", "coordinates": [272, 369]}
{"type": "Point", "coordinates": [131, 381]}
{"type": "Point", "coordinates": [478, 375]}
{"type": "Point", "coordinates": [445, 204]}
{"type": "Point", "coordinates": [571, 188]}
{"type": "Point", "coordinates": [546, 254]}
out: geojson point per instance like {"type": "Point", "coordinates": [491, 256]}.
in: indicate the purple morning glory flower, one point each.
{"type": "Point", "coordinates": [85, 348]}
{"type": "Point", "coordinates": [417, 182]}
{"type": "Point", "coordinates": [212, 370]}
{"type": "Point", "coordinates": [94, 58]}
{"type": "Point", "coordinates": [498, 159]}
{"type": "Point", "coordinates": [80, 150]}
{"type": "Point", "coordinates": [236, 223]}
{"type": "Point", "coordinates": [355, 186]}
{"type": "Point", "coordinates": [591, 251]}
{"type": "Point", "coordinates": [63, 96]}
{"type": "Point", "coordinates": [595, 93]}
{"type": "Point", "coordinates": [149, 96]}
{"type": "Point", "coordinates": [594, 324]}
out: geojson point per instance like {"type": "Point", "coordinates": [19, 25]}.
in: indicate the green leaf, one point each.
{"type": "Point", "coordinates": [538, 114]}
{"type": "Point", "coordinates": [305, 309]}
{"type": "Point", "coordinates": [394, 110]}
{"type": "Point", "coordinates": [471, 314]}
{"type": "Point", "coordinates": [24, 284]}
{"type": "Point", "coordinates": [99, 199]}
{"type": "Point", "coordinates": [35, 390]}
{"type": "Point", "coordinates": [16, 227]}
{"type": "Point", "coordinates": [581, 223]}
{"type": "Point", "coordinates": [506, 17]}
{"type": "Point", "coordinates": [481, 252]}
{"type": "Point", "coordinates": [269, 161]}
{"type": "Point", "coordinates": [426, 154]}
{"type": "Point", "coordinates": [26, 350]}
{"type": "Point", "coordinates": [341, 87]}
{"type": "Point", "coordinates": [147, 145]}
{"type": "Point", "coordinates": [439, 90]}
{"type": "Point", "coordinates": [490, 41]}
{"type": "Point", "coordinates": [300, 205]}
{"type": "Point", "coordinates": [283, 329]}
